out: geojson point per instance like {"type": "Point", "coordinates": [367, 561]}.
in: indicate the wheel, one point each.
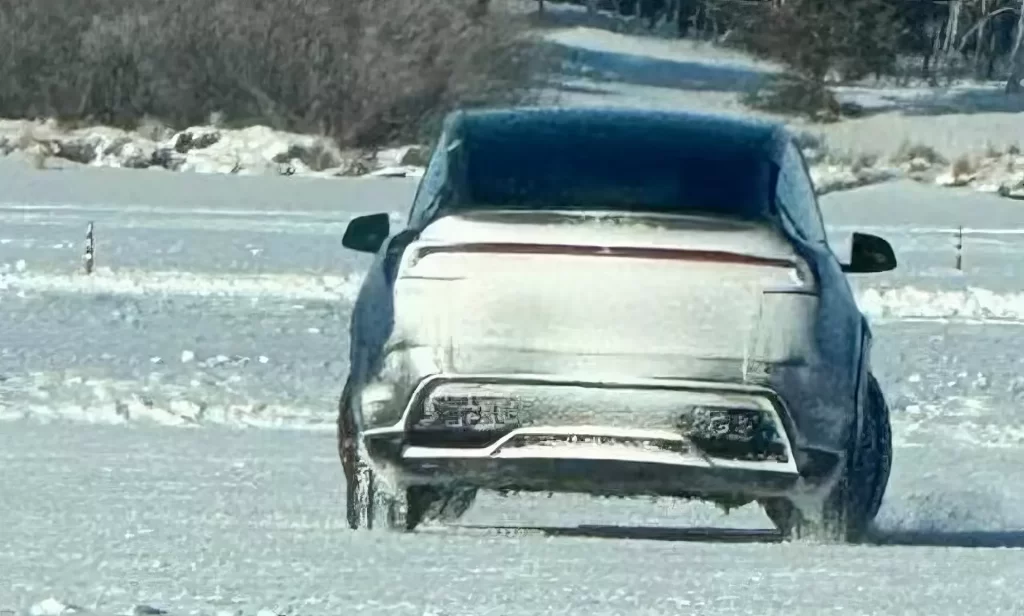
{"type": "Point", "coordinates": [847, 512]}
{"type": "Point", "coordinates": [367, 496]}
{"type": "Point", "coordinates": [370, 500]}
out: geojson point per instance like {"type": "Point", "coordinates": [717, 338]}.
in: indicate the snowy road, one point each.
{"type": "Point", "coordinates": [224, 302]}
{"type": "Point", "coordinates": [212, 521]}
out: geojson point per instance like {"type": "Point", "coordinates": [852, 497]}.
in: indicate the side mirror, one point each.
{"type": "Point", "coordinates": [367, 233]}
{"type": "Point", "coordinates": [870, 254]}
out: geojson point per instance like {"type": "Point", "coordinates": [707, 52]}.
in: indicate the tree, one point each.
{"type": "Point", "coordinates": [1013, 84]}
{"type": "Point", "coordinates": [816, 39]}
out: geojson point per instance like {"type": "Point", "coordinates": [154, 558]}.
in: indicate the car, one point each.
{"type": "Point", "coordinates": [619, 303]}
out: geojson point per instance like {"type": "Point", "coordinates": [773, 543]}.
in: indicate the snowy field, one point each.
{"type": "Point", "coordinates": [223, 303]}
{"type": "Point", "coordinates": [138, 473]}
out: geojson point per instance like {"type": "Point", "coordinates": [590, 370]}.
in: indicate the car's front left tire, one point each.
{"type": "Point", "coordinates": [371, 501]}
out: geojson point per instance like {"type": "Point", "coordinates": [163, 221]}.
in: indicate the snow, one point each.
{"type": "Point", "coordinates": [105, 281]}
{"type": "Point", "coordinates": [972, 120]}
{"type": "Point", "coordinates": [253, 150]}
{"type": "Point", "coordinates": [207, 482]}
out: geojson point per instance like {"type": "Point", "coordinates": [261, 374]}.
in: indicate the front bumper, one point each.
{"type": "Point", "coordinates": [579, 438]}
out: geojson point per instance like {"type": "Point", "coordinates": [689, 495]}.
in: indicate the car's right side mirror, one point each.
{"type": "Point", "coordinates": [870, 254]}
{"type": "Point", "coordinates": [367, 233]}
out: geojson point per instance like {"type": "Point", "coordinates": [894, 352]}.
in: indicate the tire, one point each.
{"type": "Point", "coordinates": [371, 502]}
{"type": "Point", "coordinates": [848, 511]}
{"type": "Point", "coordinates": [367, 498]}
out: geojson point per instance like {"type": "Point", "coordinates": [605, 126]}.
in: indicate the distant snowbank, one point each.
{"type": "Point", "coordinates": [105, 281]}
{"type": "Point", "coordinates": [971, 304]}
{"type": "Point", "coordinates": [996, 171]}
{"type": "Point", "coordinates": [256, 150]}
{"type": "Point", "coordinates": [894, 303]}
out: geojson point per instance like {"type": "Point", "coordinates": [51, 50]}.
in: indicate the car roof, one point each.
{"type": "Point", "coordinates": [608, 158]}
{"type": "Point", "coordinates": [711, 133]}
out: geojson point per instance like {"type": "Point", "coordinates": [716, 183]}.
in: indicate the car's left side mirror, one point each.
{"type": "Point", "coordinates": [367, 233]}
{"type": "Point", "coordinates": [870, 254]}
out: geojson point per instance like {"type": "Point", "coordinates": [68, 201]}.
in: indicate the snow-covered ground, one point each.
{"type": "Point", "coordinates": [254, 150]}
{"type": "Point", "coordinates": [217, 309]}
{"type": "Point", "coordinates": [222, 302]}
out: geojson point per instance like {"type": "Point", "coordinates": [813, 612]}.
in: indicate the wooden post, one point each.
{"type": "Point", "coordinates": [960, 249]}
{"type": "Point", "coordinates": [89, 258]}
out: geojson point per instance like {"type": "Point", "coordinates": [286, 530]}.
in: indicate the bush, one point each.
{"type": "Point", "coordinates": [361, 71]}
{"type": "Point", "coordinates": [816, 40]}
{"type": "Point", "coordinates": [790, 93]}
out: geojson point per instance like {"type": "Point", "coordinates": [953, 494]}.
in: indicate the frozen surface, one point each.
{"type": "Point", "coordinates": [233, 312]}
{"type": "Point", "coordinates": [219, 521]}
{"type": "Point", "coordinates": [222, 302]}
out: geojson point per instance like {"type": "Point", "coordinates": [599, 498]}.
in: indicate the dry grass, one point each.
{"type": "Point", "coordinates": [909, 151]}
{"type": "Point", "coordinates": [963, 167]}
{"type": "Point", "coordinates": [362, 71]}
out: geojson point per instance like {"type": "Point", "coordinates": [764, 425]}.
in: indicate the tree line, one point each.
{"type": "Point", "coordinates": [852, 39]}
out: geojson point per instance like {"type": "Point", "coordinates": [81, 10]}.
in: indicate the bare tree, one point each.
{"type": "Point", "coordinates": [1013, 84]}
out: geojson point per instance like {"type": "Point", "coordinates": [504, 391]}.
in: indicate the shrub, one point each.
{"type": "Point", "coordinates": [361, 71]}
{"type": "Point", "coordinates": [817, 40]}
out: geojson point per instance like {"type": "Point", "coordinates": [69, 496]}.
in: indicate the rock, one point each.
{"type": "Point", "coordinates": [76, 150]}
{"type": "Point", "coordinates": [168, 158]}
{"type": "Point", "coordinates": [1011, 192]}
{"type": "Point", "coordinates": [194, 139]}
{"type": "Point", "coordinates": [415, 156]}
{"type": "Point", "coordinates": [919, 164]}
{"type": "Point", "coordinates": [316, 156]}
{"type": "Point", "coordinates": [128, 153]}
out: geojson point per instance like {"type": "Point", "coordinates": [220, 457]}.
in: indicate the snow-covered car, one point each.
{"type": "Point", "coordinates": [618, 303]}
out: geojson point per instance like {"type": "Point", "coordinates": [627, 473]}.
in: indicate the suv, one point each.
{"type": "Point", "coordinates": [613, 302]}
